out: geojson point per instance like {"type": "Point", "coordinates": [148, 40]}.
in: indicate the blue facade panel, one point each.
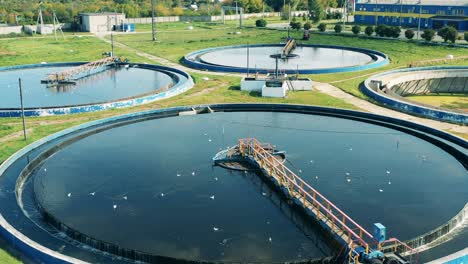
{"type": "Point", "coordinates": [432, 16]}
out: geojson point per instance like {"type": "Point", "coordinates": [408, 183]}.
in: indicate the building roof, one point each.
{"type": "Point", "coordinates": [102, 14]}
{"type": "Point", "coordinates": [417, 2]}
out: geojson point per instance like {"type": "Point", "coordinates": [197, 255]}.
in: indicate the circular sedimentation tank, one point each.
{"type": "Point", "coordinates": [304, 59]}
{"type": "Point", "coordinates": [143, 186]}
{"type": "Point", "coordinates": [116, 87]}
{"type": "Point", "coordinates": [394, 89]}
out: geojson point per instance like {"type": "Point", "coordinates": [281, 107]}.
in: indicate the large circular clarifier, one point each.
{"type": "Point", "coordinates": [115, 87]}
{"type": "Point", "coordinates": [150, 186]}
{"type": "Point", "coordinates": [305, 59]}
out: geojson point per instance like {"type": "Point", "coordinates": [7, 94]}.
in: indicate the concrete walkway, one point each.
{"type": "Point", "coordinates": [375, 109]}
{"type": "Point", "coordinates": [321, 87]}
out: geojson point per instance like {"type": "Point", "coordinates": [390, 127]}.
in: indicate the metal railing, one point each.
{"type": "Point", "coordinates": [339, 223]}
{"type": "Point", "coordinates": [74, 73]}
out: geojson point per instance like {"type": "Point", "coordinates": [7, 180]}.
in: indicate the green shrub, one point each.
{"type": "Point", "coordinates": [295, 25]}
{"type": "Point", "coordinates": [395, 32]}
{"type": "Point", "coordinates": [307, 26]}
{"type": "Point", "coordinates": [356, 29]}
{"type": "Point", "coordinates": [409, 34]}
{"type": "Point", "coordinates": [338, 28]}
{"type": "Point", "coordinates": [466, 36]}
{"type": "Point", "coordinates": [261, 23]}
{"type": "Point", "coordinates": [322, 27]}
{"type": "Point", "coordinates": [369, 30]}
{"type": "Point", "coordinates": [448, 33]}
{"type": "Point", "coordinates": [380, 30]}
{"type": "Point", "coordinates": [428, 34]}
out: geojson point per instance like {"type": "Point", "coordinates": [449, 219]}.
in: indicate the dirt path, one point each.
{"type": "Point", "coordinates": [375, 109]}
{"type": "Point", "coordinates": [163, 61]}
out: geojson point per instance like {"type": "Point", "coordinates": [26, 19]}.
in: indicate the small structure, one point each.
{"type": "Point", "coordinates": [275, 87]}
{"type": "Point", "coordinates": [100, 22]}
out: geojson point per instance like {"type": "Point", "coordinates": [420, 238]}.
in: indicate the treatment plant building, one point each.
{"type": "Point", "coordinates": [413, 13]}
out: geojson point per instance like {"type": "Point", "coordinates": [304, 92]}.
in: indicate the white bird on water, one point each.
{"type": "Point", "coordinates": [45, 169]}
{"type": "Point", "coordinates": [162, 194]}
{"type": "Point", "coordinates": [388, 172]}
{"type": "Point", "coordinates": [316, 177]}
{"type": "Point", "coordinates": [69, 194]}
{"type": "Point", "coordinates": [114, 206]}
{"type": "Point", "coordinates": [212, 197]}
{"type": "Point", "coordinates": [209, 140]}
{"type": "Point", "coordinates": [215, 229]}
{"type": "Point", "coordinates": [347, 173]}
{"type": "Point", "coordinates": [389, 182]}
{"type": "Point", "coordinates": [300, 171]}
{"type": "Point", "coordinates": [178, 175]}
{"type": "Point", "coordinates": [193, 173]}
{"type": "Point", "coordinates": [269, 239]}
{"type": "Point", "coordinates": [92, 193]}
{"type": "Point", "coordinates": [216, 178]}
{"type": "Point", "coordinates": [125, 197]}
{"type": "Point", "coordinates": [348, 180]}
{"type": "Point", "coordinates": [380, 190]}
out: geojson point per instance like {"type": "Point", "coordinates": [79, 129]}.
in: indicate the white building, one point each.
{"type": "Point", "coordinates": [100, 22]}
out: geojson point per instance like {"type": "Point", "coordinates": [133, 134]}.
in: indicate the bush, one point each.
{"type": "Point", "coordinates": [338, 28]}
{"type": "Point", "coordinates": [395, 32]}
{"type": "Point", "coordinates": [380, 30]}
{"type": "Point", "coordinates": [356, 29]}
{"type": "Point", "coordinates": [307, 26]}
{"type": "Point", "coordinates": [448, 33]}
{"type": "Point", "coordinates": [322, 27]}
{"type": "Point", "coordinates": [369, 30]}
{"type": "Point", "coordinates": [466, 36]}
{"type": "Point", "coordinates": [261, 23]}
{"type": "Point", "coordinates": [428, 34]}
{"type": "Point", "coordinates": [295, 25]}
{"type": "Point", "coordinates": [409, 34]}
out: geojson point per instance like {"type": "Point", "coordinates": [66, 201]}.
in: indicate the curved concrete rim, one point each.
{"type": "Point", "coordinates": [415, 108]}
{"type": "Point", "coordinates": [191, 61]}
{"type": "Point", "coordinates": [37, 250]}
{"type": "Point", "coordinates": [179, 87]}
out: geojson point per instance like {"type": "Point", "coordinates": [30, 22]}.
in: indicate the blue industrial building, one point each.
{"type": "Point", "coordinates": [413, 13]}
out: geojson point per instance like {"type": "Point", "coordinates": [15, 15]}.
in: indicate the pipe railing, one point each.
{"type": "Point", "coordinates": [356, 234]}
{"type": "Point", "coordinates": [88, 67]}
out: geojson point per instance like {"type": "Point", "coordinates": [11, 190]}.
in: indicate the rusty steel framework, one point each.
{"type": "Point", "coordinates": [325, 211]}
{"type": "Point", "coordinates": [70, 75]}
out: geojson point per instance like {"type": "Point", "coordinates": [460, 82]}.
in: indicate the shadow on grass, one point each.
{"type": "Point", "coordinates": [234, 88]}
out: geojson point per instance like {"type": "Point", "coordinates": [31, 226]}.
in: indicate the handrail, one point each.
{"type": "Point", "coordinates": [254, 147]}
{"type": "Point", "coordinates": [66, 74]}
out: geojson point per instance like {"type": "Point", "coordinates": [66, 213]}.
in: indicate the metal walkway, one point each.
{"type": "Point", "coordinates": [73, 74]}
{"type": "Point", "coordinates": [341, 226]}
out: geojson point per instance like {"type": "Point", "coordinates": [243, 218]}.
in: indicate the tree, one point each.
{"type": "Point", "coordinates": [409, 34]}
{"type": "Point", "coordinates": [395, 32]}
{"type": "Point", "coordinates": [428, 34]}
{"type": "Point", "coordinates": [295, 24]}
{"type": "Point", "coordinates": [356, 29]}
{"type": "Point", "coordinates": [338, 28]}
{"type": "Point", "coordinates": [322, 27]}
{"type": "Point", "coordinates": [380, 30]}
{"type": "Point", "coordinates": [307, 26]}
{"type": "Point", "coordinates": [448, 33]}
{"type": "Point", "coordinates": [316, 10]}
{"type": "Point", "coordinates": [261, 23]}
{"type": "Point", "coordinates": [369, 30]}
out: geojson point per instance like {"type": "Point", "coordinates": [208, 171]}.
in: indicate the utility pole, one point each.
{"type": "Point", "coordinates": [153, 26]}
{"type": "Point", "coordinates": [419, 20]}
{"type": "Point", "coordinates": [22, 108]}
{"type": "Point", "coordinates": [112, 44]}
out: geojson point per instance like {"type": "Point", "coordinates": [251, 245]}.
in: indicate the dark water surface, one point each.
{"type": "Point", "coordinates": [309, 58]}
{"type": "Point", "coordinates": [113, 84]}
{"type": "Point", "coordinates": [151, 186]}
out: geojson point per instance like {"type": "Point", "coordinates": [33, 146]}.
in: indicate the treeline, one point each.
{"type": "Point", "coordinates": [26, 11]}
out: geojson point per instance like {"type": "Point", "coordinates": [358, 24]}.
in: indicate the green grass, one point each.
{"type": "Point", "coordinates": [5, 258]}
{"type": "Point", "coordinates": [445, 101]}
{"type": "Point", "coordinates": [36, 50]}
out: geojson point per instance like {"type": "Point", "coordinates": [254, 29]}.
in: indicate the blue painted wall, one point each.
{"type": "Point", "coordinates": [413, 20]}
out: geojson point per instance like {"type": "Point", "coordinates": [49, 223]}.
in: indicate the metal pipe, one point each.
{"type": "Point", "coordinates": [22, 108]}
{"type": "Point", "coordinates": [153, 26]}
